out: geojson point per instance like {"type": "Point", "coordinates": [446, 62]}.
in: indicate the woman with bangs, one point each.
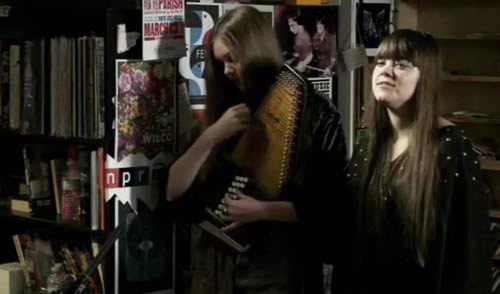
{"type": "Point", "coordinates": [421, 213]}
{"type": "Point", "coordinates": [243, 60]}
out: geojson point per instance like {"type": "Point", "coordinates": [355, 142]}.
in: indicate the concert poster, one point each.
{"type": "Point", "coordinates": [162, 29]}
{"type": "Point", "coordinates": [145, 144]}
{"type": "Point", "coordinates": [145, 107]}
{"type": "Point", "coordinates": [145, 254]}
{"type": "Point", "coordinates": [200, 21]}
{"type": "Point", "coordinates": [373, 22]}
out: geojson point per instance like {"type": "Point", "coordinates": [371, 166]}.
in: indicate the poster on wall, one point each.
{"type": "Point", "coordinates": [323, 85]}
{"type": "Point", "coordinates": [200, 21]}
{"type": "Point", "coordinates": [266, 10]}
{"type": "Point", "coordinates": [145, 254]}
{"type": "Point", "coordinates": [308, 40]}
{"type": "Point", "coordinates": [145, 144]}
{"type": "Point", "coordinates": [198, 111]}
{"type": "Point", "coordinates": [145, 134]}
{"type": "Point", "coordinates": [145, 108]}
{"type": "Point", "coordinates": [374, 23]}
{"type": "Point", "coordinates": [307, 36]}
{"type": "Point", "coordinates": [162, 29]}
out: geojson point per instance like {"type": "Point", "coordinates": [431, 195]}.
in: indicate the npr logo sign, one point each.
{"type": "Point", "coordinates": [127, 177]}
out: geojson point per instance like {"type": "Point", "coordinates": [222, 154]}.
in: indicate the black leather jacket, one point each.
{"type": "Point", "coordinates": [319, 181]}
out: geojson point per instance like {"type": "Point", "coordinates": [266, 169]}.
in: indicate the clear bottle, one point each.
{"type": "Point", "coordinates": [71, 198]}
{"type": "Point", "coordinates": [71, 188]}
{"type": "Point", "coordinates": [56, 278]}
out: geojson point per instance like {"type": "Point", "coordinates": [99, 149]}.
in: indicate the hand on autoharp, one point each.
{"type": "Point", "coordinates": [233, 121]}
{"type": "Point", "coordinates": [243, 210]}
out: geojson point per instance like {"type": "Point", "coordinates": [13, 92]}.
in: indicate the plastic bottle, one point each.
{"type": "Point", "coordinates": [56, 278]}
{"type": "Point", "coordinates": [71, 198]}
{"type": "Point", "coordinates": [71, 188]}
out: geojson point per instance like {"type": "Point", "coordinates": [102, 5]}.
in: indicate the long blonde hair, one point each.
{"type": "Point", "coordinates": [245, 30]}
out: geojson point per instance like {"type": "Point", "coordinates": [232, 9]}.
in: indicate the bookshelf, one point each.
{"type": "Point", "coordinates": [468, 34]}
{"type": "Point", "coordinates": [9, 134]}
{"type": "Point", "coordinates": [495, 214]}
{"type": "Point", "coordinates": [470, 121]}
{"type": "Point", "coordinates": [47, 222]}
{"type": "Point", "coordinates": [490, 164]}
{"type": "Point", "coordinates": [53, 100]}
{"type": "Point", "coordinates": [470, 78]}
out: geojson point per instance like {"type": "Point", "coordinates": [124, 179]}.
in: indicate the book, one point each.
{"type": "Point", "coordinates": [21, 243]}
{"type": "Point", "coordinates": [20, 203]}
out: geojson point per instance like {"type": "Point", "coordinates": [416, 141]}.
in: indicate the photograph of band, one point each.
{"type": "Point", "coordinates": [308, 38]}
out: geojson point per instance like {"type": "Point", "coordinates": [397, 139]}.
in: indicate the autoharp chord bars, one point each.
{"type": "Point", "coordinates": [284, 106]}
{"type": "Point", "coordinates": [278, 112]}
{"type": "Point", "coordinates": [265, 149]}
{"type": "Point", "coordinates": [278, 107]}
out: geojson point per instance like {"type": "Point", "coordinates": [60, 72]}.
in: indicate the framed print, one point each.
{"type": "Point", "coordinates": [373, 21]}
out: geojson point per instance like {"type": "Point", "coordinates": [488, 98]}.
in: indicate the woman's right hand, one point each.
{"type": "Point", "coordinates": [233, 121]}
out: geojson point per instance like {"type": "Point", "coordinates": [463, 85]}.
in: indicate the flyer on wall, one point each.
{"type": "Point", "coordinates": [163, 34]}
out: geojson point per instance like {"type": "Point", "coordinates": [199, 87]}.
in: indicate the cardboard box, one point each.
{"type": "Point", "coordinates": [12, 278]}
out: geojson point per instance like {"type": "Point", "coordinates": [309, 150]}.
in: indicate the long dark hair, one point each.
{"type": "Point", "coordinates": [420, 176]}
{"type": "Point", "coordinates": [245, 30]}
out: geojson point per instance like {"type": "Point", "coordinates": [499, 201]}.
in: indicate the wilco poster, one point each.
{"type": "Point", "coordinates": [145, 143]}
{"type": "Point", "coordinates": [162, 29]}
{"type": "Point", "coordinates": [145, 128]}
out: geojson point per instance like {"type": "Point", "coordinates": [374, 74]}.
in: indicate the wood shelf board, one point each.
{"type": "Point", "coordinates": [54, 220]}
{"type": "Point", "coordinates": [470, 121]}
{"type": "Point", "coordinates": [469, 36]}
{"type": "Point", "coordinates": [29, 138]}
{"type": "Point", "coordinates": [495, 213]}
{"type": "Point", "coordinates": [489, 164]}
{"type": "Point", "coordinates": [471, 78]}
{"type": "Point", "coordinates": [458, 16]}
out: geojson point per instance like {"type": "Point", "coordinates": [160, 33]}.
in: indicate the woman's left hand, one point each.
{"type": "Point", "coordinates": [243, 210]}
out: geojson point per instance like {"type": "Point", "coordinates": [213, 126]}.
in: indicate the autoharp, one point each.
{"type": "Point", "coordinates": [265, 157]}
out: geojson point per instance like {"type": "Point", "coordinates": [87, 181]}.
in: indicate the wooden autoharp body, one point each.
{"type": "Point", "coordinates": [265, 157]}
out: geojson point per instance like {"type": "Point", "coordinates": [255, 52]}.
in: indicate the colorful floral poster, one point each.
{"type": "Point", "coordinates": [145, 108]}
